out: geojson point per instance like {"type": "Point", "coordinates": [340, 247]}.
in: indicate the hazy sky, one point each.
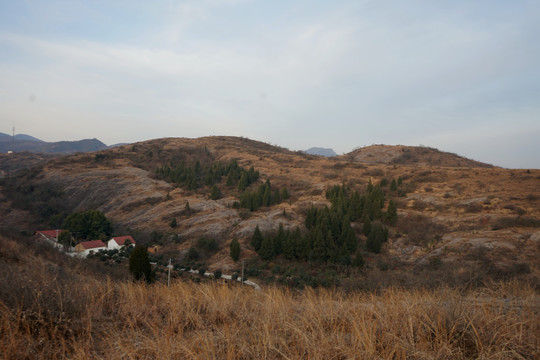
{"type": "Point", "coordinates": [461, 76]}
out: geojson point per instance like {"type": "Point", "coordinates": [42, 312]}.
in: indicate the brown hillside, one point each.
{"type": "Point", "coordinates": [410, 155]}
{"type": "Point", "coordinates": [467, 217]}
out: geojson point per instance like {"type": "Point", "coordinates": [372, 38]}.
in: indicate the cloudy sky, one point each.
{"type": "Point", "coordinates": [462, 75]}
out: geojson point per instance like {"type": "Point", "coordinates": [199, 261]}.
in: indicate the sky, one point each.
{"type": "Point", "coordinates": [460, 76]}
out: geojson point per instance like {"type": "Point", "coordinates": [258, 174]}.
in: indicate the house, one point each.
{"type": "Point", "coordinates": [119, 242]}
{"type": "Point", "coordinates": [50, 236]}
{"type": "Point", "coordinates": [87, 247]}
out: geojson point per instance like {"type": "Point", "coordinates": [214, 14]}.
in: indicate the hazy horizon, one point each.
{"type": "Point", "coordinates": [458, 76]}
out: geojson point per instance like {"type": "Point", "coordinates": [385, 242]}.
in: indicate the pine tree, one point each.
{"type": "Point", "coordinates": [139, 264]}
{"type": "Point", "coordinates": [318, 252]}
{"type": "Point", "coordinates": [256, 239]}
{"type": "Point", "coordinates": [376, 238]}
{"type": "Point", "coordinates": [351, 243]}
{"type": "Point", "coordinates": [173, 223]}
{"type": "Point", "coordinates": [242, 183]}
{"type": "Point", "coordinates": [288, 246]}
{"type": "Point", "coordinates": [235, 249]}
{"type": "Point", "coordinates": [266, 252]}
{"type": "Point", "coordinates": [285, 194]}
{"type": "Point", "coordinates": [278, 240]}
{"type": "Point", "coordinates": [391, 213]}
{"type": "Point", "coordinates": [366, 228]}
{"type": "Point", "coordinates": [215, 193]}
{"type": "Point", "coordinates": [187, 209]}
{"type": "Point", "coordinates": [393, 185]}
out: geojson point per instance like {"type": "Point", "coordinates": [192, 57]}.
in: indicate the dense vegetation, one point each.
{"type": "Point", "coordinates": [265, 195]}
{"type": "Point", "coordinates": [195, 176]}
{"type": "Point", "coordinates": [330, 238]}
{"type": "Point", "coordinates": [45, 200]}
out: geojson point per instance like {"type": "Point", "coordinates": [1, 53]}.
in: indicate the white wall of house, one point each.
{"type": "Point", "coordinates": [112, 244]}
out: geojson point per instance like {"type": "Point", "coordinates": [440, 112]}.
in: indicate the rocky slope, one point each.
{"type": "Point", "coordinates": [454, 210]}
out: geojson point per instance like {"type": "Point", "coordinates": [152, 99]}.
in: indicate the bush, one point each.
{"type": "Point", "coordinates": [207, 245]}
{"type": "Point", "coordinates": [192, 254]}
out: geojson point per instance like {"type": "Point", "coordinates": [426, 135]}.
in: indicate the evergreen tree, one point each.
{"type": "Point", "coordinates": [256, 239]}
{"type": "Point", "coordinates": [318, 251]}
{"type": "Point", "coordinates": [139, 264]}
{"type": "Point", "coordinates": [391, 213]}
{"type": "Point", "coordinates": [173, 223]}
{"type": "Point", "coordinates": [215, 193]}
{"type": "Point", "coordinates": [376, 238]}
{"type": "Point", "coordinates": [235, 249]}
{"type": "Point", "coordinates": [288, 246]}
{"type": "Point", "coordinates": [393, 185]}
{"type": "Point", "coordinates": [267, 197]}
{"type": "Point", "coordinates": [242, 183]}
{"type": "Point", "coordinates": [266, 252]}
{"type": "Point", "coordinates": [278, 240]}
{"type": "Point", "coordinates": [187, 209]}
{"type": "Point", "coordinates": [366, 228]}
{"type": "Point", "coordinates": [351, 243]}
{"type": "Point", "coordinates": [276, 199]}
{"type": "Point", "coordinates": [358, 260]}
{"type": "Point", "coordinates": [285, 194]}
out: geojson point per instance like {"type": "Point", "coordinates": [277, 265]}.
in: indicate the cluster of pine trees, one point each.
{"type": "Point", "coordinates": [264, 196]}
{"type": "Point", "coordinates": [329, 237]}
{"type": "Point", "coordinates": [196, 176]}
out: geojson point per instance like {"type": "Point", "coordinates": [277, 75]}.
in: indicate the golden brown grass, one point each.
{"type": "Point", "coordinates": [210, 321]}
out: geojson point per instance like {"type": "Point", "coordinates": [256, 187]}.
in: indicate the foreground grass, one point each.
{"type": "Point", "coordinates": [49, 312]}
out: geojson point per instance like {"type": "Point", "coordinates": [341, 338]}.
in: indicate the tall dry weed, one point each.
{"type": "Point", "coordinates": [72, 316]}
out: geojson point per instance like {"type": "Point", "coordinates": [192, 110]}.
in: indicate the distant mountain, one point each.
{"type": "Point", "coordinates": [321, 151]}
{"type": "Point", "coordinates": [32, 144]}
{"type": "Point", "coordinates": [27, 137]}
{"type": "Point", "coordinates": [19, 137]}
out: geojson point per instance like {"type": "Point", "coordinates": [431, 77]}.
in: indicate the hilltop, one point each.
{"type": "Point", "coordinates": [410, 155]}
{"type": "Point", "coordinates": [458, 219]}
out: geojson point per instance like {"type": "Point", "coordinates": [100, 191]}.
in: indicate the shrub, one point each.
{"type": "Point", "coordinates": [192, 254]}
{"type": "Point", "coordinates": [207, 245]}
{"type": "Point", "coordinates": [139, 264]}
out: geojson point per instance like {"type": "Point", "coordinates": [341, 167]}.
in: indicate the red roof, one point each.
{"type": "Point", "coordinates": [92, 244]}
{"type": "Point", "coordinates": [120, 240]}
{"type": "Point", "coordinates": [50, 233]}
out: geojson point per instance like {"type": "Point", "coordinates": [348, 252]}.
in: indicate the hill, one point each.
{"type": "Point", "coordinates": [410, 155]}
{"type": "Point", "coordinates": [31, 144]}
{"type": "Point", "coordinates": [455, 224]}
{"type": "Point", "coordinates": [321, 151]}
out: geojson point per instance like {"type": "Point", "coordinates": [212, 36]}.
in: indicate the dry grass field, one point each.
{"type": "Point", "coordinates": [52, 307]}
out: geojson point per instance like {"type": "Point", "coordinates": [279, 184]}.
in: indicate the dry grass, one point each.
{"type": "Point", "coordinates": [123, 320]}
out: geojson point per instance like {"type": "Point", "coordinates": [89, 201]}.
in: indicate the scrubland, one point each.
{"type": "Point", "coordinates": [52, 307]}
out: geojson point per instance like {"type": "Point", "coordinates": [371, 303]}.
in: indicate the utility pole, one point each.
{"type": "Point", "coordinates": [169, 276]}
{"type": "Point", "coordinates": [242, 272]}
